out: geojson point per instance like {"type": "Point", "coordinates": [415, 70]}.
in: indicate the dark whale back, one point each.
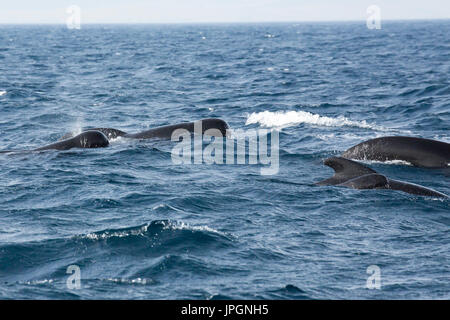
{"type": "Point", "coordinates": [87, 139]}
{"type": "Point", "coordinates": [414, 189]}
{"type": "Point", "coordinates": [367, 181]}
{"type": "Point", "coordinates": [351, 174]}
{"type": "Point", "coordinates": [98, 137]}
{"type": "Point", "coordinates": [417, 151]}
{"type": "Point", "coordinates": [164, 132]}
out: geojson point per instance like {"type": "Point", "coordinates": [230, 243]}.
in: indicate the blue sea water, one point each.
{"type": "Point", "coordinates": [139, 226]}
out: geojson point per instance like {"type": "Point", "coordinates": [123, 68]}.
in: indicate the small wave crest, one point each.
{"type": "Point", "coordinates": [282, 119]}
{"type": "Point", "coordinates": [139, 281]}
{"type": "Point", "coordinates": [2, 93]}
{"type": "Point", "coordinates": [151, 228]}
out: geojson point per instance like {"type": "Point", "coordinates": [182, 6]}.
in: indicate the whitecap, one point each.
{"type": "Point", "coordinates": [392, 162]}
{"type": "Point", "coordinates": [142, 281]}
{"type": "Point", "coordinates": [38, 282]}
{"type": "Point", "coordinates": [2, 93]}
{"type": "Point", "coordinates": [282, 119]}
{"type": "Point", "coordinates": [141, 230]}
{"type": "Point", "coordinates": [185, 226]}
{"type": "Point", "coordinates": [118, 233]}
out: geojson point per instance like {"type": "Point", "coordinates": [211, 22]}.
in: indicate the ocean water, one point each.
{"type": "Point", "coordinates": [139, 226]}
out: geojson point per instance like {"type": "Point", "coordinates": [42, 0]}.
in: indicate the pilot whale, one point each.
{"type": "Point", "coordinates": [87, 139]}
{"type": "Point", "coordinates": [165, 132]}
{"type": "Point", "coordinates": [351, 174]}
{"type": "Point", "coordinates": [99, 137]}
{"type": "Point", "coordinates": [419, 152]}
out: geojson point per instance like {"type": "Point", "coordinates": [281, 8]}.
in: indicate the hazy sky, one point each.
{"type": "Point", "coordinates": [163, 11]}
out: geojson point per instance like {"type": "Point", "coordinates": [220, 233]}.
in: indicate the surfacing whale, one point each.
{"type": "Point", "coordinates": [99, 137]}
{"type": "Point", "coordinates": [87, 139]}
{"type": "Point", "coordinates": [165, 132]}
{"type": "Point", "coordinates": [417, 151]}
{"type": "Point", "coordinates": [355, 175]}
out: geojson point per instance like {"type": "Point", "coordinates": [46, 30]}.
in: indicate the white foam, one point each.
{"type": "Point", "coordinates": [117, 234]}
{"type": "Point", "coordinates": [142, 281]}
{"type": "Point", "coordinates": [445, 139]}
{"type": "Point", "coordinates": [393, 162]}
{"type": "Point", "coordinates": [283, 119]}
{"type": "Point", "coordinates": [37, 282]}
{"type": "Point", "coordinates": [185, 226]}
{"type": "Point", "coordinates": [118, 139]}
{"type": "Point", "coordinates": [167, 225]}
{"type": "Point", "coordinates": [2, 93]}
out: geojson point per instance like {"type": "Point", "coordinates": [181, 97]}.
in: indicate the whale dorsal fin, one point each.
{"type": "Point", "coordinates": [344, 170]}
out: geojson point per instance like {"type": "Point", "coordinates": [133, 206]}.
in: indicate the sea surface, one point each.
{"type": "Point", "coordinates": [136, 225]}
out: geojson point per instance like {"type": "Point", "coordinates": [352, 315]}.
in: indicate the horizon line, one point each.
{"type": "Point", "coordinates": [222, 22]}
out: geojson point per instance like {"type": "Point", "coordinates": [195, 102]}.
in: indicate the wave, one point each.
{"type": "Point", "coordinates": [283, 119]}
{"type": "Point", "coordinates": [152, 228]}
{"type": "Point", "coordinates": [49, 258]}
{"type": "Point", "coordinates": [2, 93]}
{"type": "Point", "coordinates": [435, 89]}
{"type": "Point", "coordinates": [288, 292]}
